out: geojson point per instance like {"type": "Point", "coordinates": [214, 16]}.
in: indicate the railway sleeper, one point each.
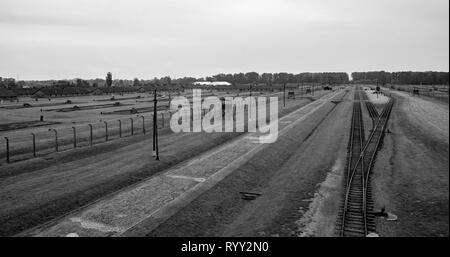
{"type": "Point", "coordinates": [354, 232]}
{"type": "Point", "coordinates": [355, 196]}
{"type": "Point", "coordinates": [360, 220]}
{"type": "Point", "coordinates": [358, 212]}
{"type": "Point", "coordinates": [355, 205]}
{"type": "Point", "coordinates": [359, 224]}
{"type": "Point", "coordinates": [354, 226]}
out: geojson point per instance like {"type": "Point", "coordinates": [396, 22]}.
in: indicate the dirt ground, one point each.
{"type": "Point", "coordinates": [411, 173]}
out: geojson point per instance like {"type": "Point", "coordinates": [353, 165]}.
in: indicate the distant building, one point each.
{"type": "Point", "coordinates": [212, 83]}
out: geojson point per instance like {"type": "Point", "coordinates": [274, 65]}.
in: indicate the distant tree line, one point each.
{"type": "Point", "coordinates": [282, 77]}
{"type": "Point", "coordinates": [404, 77]}
{"type": "Point", "coordinates": [372, 77]}
{"type": "Point", "coordinates": [7, 83]}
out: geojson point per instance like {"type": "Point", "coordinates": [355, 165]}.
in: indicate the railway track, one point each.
{"type": "Point", "coordinates": [374, 115]}
{"type": "Point", "coordinates": [369, 105]}
{"type": "Point", "coordinates": [357, 217]}
{"type": "Point", "coordinates": [372, 111]}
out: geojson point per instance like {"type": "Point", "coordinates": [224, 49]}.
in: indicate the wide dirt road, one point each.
{"type": "Point", "coordinates": [411, 174]}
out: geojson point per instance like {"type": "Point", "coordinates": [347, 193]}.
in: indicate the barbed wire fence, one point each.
{"type": "Point", "coordinates": [25, 145]}
{"type": "Point", "coordinates": [22, 146]}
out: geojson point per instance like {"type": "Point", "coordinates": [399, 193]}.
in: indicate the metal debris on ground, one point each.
{"type": "Point", "coordinates": [391, 217]}
{"type": "Point", "coordinates": [248, 196]}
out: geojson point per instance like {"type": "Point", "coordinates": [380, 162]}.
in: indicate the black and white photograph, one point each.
{"type": "Point", "coordinates": [255, 119]}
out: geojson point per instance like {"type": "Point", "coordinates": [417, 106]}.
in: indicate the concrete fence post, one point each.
{"type": "Point", "coordinates": [74, 137]}
{"type": "Point", "coordinates": [90, 134]}
{"type": "Point", "coordinates": [106, 130]}
{"type": "Point", "coordinates": [132, 126]}
{"type": "Point", "coordinates": [143, 124]}
{"type": "Point", "coordinates": [56, 139]}
{"type": "Point", "coordinates": [120, 129]}
{"type": "Point", "coordinates": [34, 144]}
{"type": "Point", "coordinates": [7, 149]}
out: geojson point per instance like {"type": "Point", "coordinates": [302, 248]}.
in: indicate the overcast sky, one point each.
{"type": "Point", "coordinates": [56, 39]}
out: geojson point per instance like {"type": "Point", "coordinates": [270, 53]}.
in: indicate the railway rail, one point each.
{"type": "Point", "coordinates": [357, 217]}
{"type": "Point", "coordinates": [369, 105]}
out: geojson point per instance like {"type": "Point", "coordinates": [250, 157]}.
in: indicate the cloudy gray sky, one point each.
{"type": "Point", "coordinates": [44, 39]}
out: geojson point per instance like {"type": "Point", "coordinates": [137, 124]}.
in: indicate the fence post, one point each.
{"type": "Point", "coordinates": [106, 130]}
{"type": "Point", "coordinates": [162, 117]}
{"type": "Point", "coordinates": [132, 126]}
{"type": "Point", "coordinates": [143, 124]}
{"type": "Point", "coordinates": [90, 137]}
{"type": "Point", "coordinates": [56, 139]}
{"type": "Point", "coordinates": [152, 120]}
{"type": "Point", "coordinates": [7, 149]}
{"type": "Point", "coordinates": [155, 128]}
{"type": "Point", "coordinates": [74, 137]}
{"type": "Point", "coordinates": [34, 144]}
{"type": "Point", "coordinates": [120, 129]}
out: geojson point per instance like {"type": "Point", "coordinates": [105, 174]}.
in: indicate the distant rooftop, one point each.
{"type": "Point", "coordinates": [212, 83]}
